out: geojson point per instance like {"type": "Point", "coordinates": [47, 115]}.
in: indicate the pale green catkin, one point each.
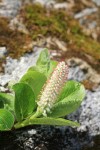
{"type": "Point", "coordinates": [53, 87]}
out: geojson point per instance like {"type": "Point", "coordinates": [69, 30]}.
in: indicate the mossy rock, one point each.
{"type": "Point", "coordinates": [48, 22]}
{"type": "Point", "coordinates": [15, 41]}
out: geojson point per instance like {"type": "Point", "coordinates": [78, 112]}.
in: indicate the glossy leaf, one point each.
{"type": "Point", "coordinates": [24, 100]}
{"type": "Point", "coordinates": [35, 80]}
{"type": "Point", "coordinates": [6, 120]}
{"type": "Point", "coordinates": [70, 103]}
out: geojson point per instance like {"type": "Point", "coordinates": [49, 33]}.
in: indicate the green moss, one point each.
{"type": "Point", "coordinates": [55, 23]}
{"type": "Point", "coordinates": [86, 45]}
{"type": "Point", "coordinates": [40, 21]}
{"type": "Point", "coordinates": [16, 42]}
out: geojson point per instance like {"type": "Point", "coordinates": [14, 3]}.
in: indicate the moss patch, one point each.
{"type": "Point", "coordinates": [16, 42]}
{"type": "Point", "coordinates": [40, 21]}
{"type": "Point", "coordinates": [48, 23]}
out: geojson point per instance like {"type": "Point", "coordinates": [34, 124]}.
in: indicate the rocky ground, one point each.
{"type": "Point", "coordinates": [87, 136]}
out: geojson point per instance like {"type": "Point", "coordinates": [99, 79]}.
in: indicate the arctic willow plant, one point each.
{"type": "Point", "coordinates": [42, 96]}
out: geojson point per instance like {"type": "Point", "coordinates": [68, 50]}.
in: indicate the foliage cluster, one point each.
{"type": "Point", "coordinates": [19, 108]}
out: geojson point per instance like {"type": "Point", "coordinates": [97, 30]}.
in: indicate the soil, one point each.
{"type": "Point", "coordinates": [48, 138]}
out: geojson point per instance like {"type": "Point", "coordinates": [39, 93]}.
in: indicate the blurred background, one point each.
{"type": "Point", "coordinates": [70, 29]}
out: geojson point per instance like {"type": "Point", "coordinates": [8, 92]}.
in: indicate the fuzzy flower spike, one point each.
{"type": "Point", "coordinates": [53, 87]}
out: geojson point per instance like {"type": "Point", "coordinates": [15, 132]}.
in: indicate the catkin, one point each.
{"type": "Point", "coordinates": [53, 87]}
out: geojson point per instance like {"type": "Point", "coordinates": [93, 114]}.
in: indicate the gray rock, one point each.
{"type": "Point", "coordinates": [3, 52]}
{"type": "Point", "coordinates": [16, 24]}
{"type": "Point", "coordinates": [85, 12]}
{"type": "Point", "coordinates": [44, 2]}
{"type": "Point", "coordinates": [9, 8]}
{"type": "Point", "coordinates": [89, 113]}
{"type": "Point", "coordinates": [97, 2]}
{"type": "Point", "coordinates": [32, 132]}
{"type": "Point", "coordinates": [15, 69]}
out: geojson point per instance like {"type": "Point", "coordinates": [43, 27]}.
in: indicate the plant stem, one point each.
{"type": "Point", "coordinates": [27, 121]}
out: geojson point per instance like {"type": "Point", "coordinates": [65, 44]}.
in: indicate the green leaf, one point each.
{"type": "Point", "coordinates": [34, 68]}
{"type": "Point", "coordinates": [53, 121]}
{"type": "Point", "coordinates": [43, 62]}
{"type": "Point", "coordinates": [24, 100]}
{"type": "Point", "coordinates": [48, 121]}
{"type": "Point", "coordinates": [7, 101]}
{"type": "Point", "coordinates": [6, 120]}
{"type": "Point", "coordinates": [53, 65]}
{"type": "Point", "coordinates": [70, 103]}
{"type": "Point", "coordinates": [35, 80]}
{"type": "Point", "coordinates": [69, 88]}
